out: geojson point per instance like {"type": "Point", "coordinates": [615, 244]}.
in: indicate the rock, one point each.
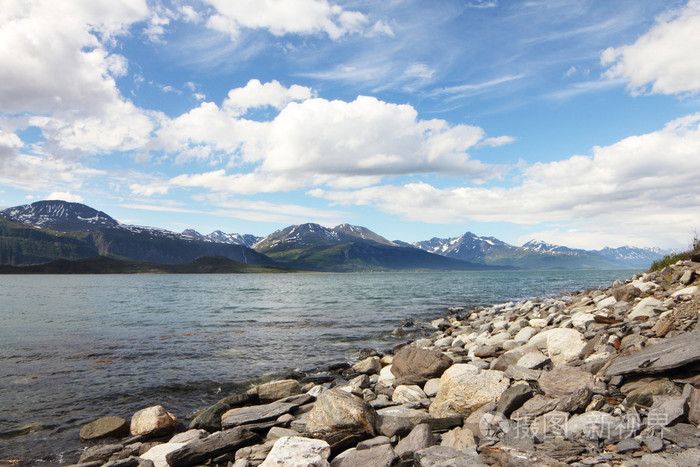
{"type": "Point", "coordinates": [157, 454]}
{"type": "Point", "coordinates": [377, 456]}
{"type": "Point", "coordinates": [686, 293]}
{"type": "Point", "coordinates": [513, 398]}
{"type": "Point", "coordinates": [606, 303]}
{"type": "Point", "coordinates": [129, 462]}
{"type": "Point", "coordinates": [462, 392]}
{"type": "Point", "coordinates": [644, 395]}
{"type": "Point", "coordinates": [295, 451]}
{"type": "Point", "coordinates": [581, 319]}
{"type": "Point", "coordinates": [189, 435]}
{"type": "Point", "coordinates": [399, 420]}
{"type": "Point", "coordinates": [563, 381]}
{"type": "Point", "coordinates": [386, 377]}
{"type": "Point", "coordinates": [406, 394]}
{"type": "Point", "coordinates": [444, 456]}
{"type": "Point", "coordinates": [422, 362]}
{"type": "Point", "coordinates": [671, 352]}
{"type": "Point", "coordinates": [667, 409]}
{"type": "Point", "coordinates": [534, 407]}
{"type": "Point", "coordinates": [694, 407]}
{"type": "Point", "coordinates": [458, 438]}
{"type": "Point", "coordinates": [628, 444]}
{"type": "Point", "coordinates": [576, 402]}
{"type": "Point", "coordinates": [338, 410]}
{"type": "Point", "coordinates": [508, 456]}
{"type": "Point", "coordinates": [198, 451]}
{"type": "Point", "coordinates": [256, 453]}
{"type": "Point", "coordinates": [626, 293]}
{"type": "Point", "coordinates": [684, 435]}
{"type": "Point", "coordinates": [525, 334]}
{"type": "Point", "coordinates": [420, 437]}
{"type": "Point", "coordinates": [563, 345]}
{"type": "Point", "coordinates": [368, 366]}
{"type": "Point", "coordinates": [153, 421]}
{"type": "Point", "coordinates": [100, 452]}
{"type": "Point", "coordinates": [507, 359]}
{"type": "Point", "coordinates": [256, 413]}
{"type": "Point", "coordinates": [370, 443]}
{"type": "Point", "coordinates": [210, 418]}
{"type": "Point", "coordinates": [105, 427]}
{"type": "Point", "coordinates": [549, 424]}
{"type": "Point", "coordinates": [645, 308]}
{"type": "Point", "coordinates": [601, 426]}
{"type": "Point", "coordinates": [431, 387]}
{"type": "Point", "coordinates": [653, 443]}
{"type": "Point", "coordinates": [276, 390]}
{"type": "Point", "coordinates": [519, 373]}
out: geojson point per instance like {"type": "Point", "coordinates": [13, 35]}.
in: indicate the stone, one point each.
{"type": "Point", "coordinates": [563, 345]}
{"type": "Point", "coordinates": [338, 410]}
{"type": "Point", "coordinates": [581, 319]}
{"type": "Point", "coordinates": [431, 387]}
{"type": "Point", "coordinates": [606, 303]}
{"type": "Point", "coordinates": [422, 362]}
{"type": "Point", "coordinates": [684, 435]}
{"type": "Point", "coordinates": [667, 409]}
{"type": "Point", "coordinates": [525, 334]}
{"type": "Point", "coordinates": [100, 452]}
{"type": "Point", "coordinates": [420, 437]}
{"type": "Point", "coordinates": [407, 394]}
{"type": "Point", "coordinates": [550, 424]}
{"type": "Point", "coordinates": [129, 462]}
{"type": "Point", "coordinates": [296, 451]}
{"type": "Point", "coordinates": [627, 445]}
{"type": "Point", "coordinates": [157, 454]}
{"type": "Point", "coordinates": [513, 398]}
{"type": "Point", "coordinates": [256, 413]}
{"type": "Point", "coordinates": [370, 443]}
{"type": "Point", "coordinates": [198, 451]}
{"type": "Point", "coordinates": [276, 390]}
{"type": "Point", "coordinates": [645, 308]}
{"type": "Point", "coordinates": [596, 425]}
{"type": "Point", "coordinates": [656, 460]}
{"type": "Point", "coordinates": [509, 456]}
{"type": "Point", "coordinates": [519, 373]}
{"type": "Point", "coordinates": [507, 359]}
{"type": "Point", "coordinates": [187, 436]}
{"type": "Point", "coordinates": [645, 394]}
{"type": "Point", "coordinates": [153, 421]}
{"type": "Point", "coordinates": [386, 377]}
{"type": "Point", "coordinates": [653, 443]}
{"type": "Point", "coordinates": [105, 427]}
{"type": "Point", "coordinates": [534, 407]}
{"type": "Point", "coordinates": [626, 293]}
{"type": "Point", "coordinates": [256, 453]}
{"type": "Point", "coordinates": [669, 353]}
{"type": "Point", "coordinates": [368, 366]}
{"type": "Point", "coordinates": [210, 418]}
{"type": "Point", "coordinates": [458, 438]}
{"type": "Point", "coordinates": [377, 456]}
{"type": "Point", "coordinates": [694, 407]}
{"type": "Point", "coordinates": [399, 420]}
{"type": "Point", "coordinates": [576, 402]}
{"type": "Point", "coordinates": [563, 381]}
{"type": "Point", "coordinates": [462, 392]}
{"type": "Point", "coordinates": [444, 456]}
{"type": "Point", "coordinates": [686, 293]}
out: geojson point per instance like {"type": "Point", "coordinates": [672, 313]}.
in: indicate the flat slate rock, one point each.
{"type": "Point", "coordinates": [671, 353]}
{"type": "Point", "coordinates": [256, 413]}
{"type": "Point", "coordinates": [198, 451]}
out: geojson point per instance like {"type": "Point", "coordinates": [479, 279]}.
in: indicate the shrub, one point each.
{"type": "Point", "coordinates": [669, 260]}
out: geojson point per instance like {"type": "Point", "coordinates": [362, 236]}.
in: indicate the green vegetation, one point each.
{"type": "Point", "coordinates": [668, 260]}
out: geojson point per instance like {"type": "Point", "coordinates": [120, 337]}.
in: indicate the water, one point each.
{"type": "Point", "coordinates": [74, 348]}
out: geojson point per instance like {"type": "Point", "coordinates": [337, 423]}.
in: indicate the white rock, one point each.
{"type": "Point", "coordinates": [606, 302]}
{"type": "Point", "coordinates": [686, 292]}
{"type": "Point", "coordinates": [386, 377]}
{"type": "Point", "coordinates": [581, 319]}
{"type": "Point", "coordinates": [644, 286]}
{"type": "Point", "coordinates": [296, 451]}
{"type": "Point", "coordinates": [408, 393]}
{"type": "Point", "coordinates": [444, 342]}
{"type": "Point", "coordinates": [525, 334]}
{"type": "Point", "coordinates": [561, 345]}
{"type": "Point", "coordinates": [462, 391]}
{"type": "Point", "coordinates": [538, 323]}
{"type": "Point", "coordinates": [431, 387]}
{"type": "Point", "coordinates": [533, 360]}
{"type": "Point", "coordinates": [157, 453]}
{"type": "Point", "coordinates": [645, 308]}
{"type": "Point", "coordinates": [368, 366]}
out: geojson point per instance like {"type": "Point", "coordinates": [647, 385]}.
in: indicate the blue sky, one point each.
{"type": "Point", "coordinates": [574, 122]}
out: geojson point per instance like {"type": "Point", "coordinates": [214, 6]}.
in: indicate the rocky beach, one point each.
{"type": "Point", "coordinates": [597, 377]}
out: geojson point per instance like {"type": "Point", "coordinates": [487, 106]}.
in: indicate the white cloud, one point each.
{"type": "Point", "coordinates": [665, 58]}
{"type": "Point", "coordinates": [282, 17]}
{"type": "Point", "coordinates": [256, 94]}
{"type": "Point", "coordinates": [638, 188]}
{"type": "Point", "coordinates": [65, 196]}
{"type": "Point", "coordinates": [419, 70]}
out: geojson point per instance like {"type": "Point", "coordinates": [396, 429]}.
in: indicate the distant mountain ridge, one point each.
{"type": "Point", "coordinates": [48, 230]}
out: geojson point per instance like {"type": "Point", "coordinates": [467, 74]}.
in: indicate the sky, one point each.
{"type": "Point", "coordinates": [573, 122]}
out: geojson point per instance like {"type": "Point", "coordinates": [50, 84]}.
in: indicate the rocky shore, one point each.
{"type": "Point", "coordinates": [596, 378]}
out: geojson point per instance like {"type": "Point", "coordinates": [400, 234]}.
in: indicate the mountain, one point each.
{"type": "Point", "coordinates": [220, 237]}
{"type": "Point", "coordinates": [48, 230]}
{"type": "Point", "coordinates": [348, 248]}
{"type": "Point", "coordinates": [537, 254]}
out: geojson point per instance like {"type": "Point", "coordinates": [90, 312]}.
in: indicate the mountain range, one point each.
{"type": "Point", "coordinates": [48, 230]}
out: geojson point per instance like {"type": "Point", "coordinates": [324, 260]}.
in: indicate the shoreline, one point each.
{"type": "Point", "coordinates": [475, 341]}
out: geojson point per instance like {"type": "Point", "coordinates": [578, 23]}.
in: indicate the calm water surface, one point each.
{"type": "Point", "coordinates": [74, 348]}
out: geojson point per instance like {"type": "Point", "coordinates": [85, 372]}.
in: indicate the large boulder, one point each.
{"type": "Point", "coordinates": [462, 391]}
{"type": "Point", "coordinates": [153, 421]}
{"type": "Point", "coordinates": [337, 410]}
{"type": "Point", "coordinates": [646, 308]}
{"type": "Point", "coordinates": [105, 427]}
{"type": "Point", "coordinates": [296, 451]}
{"type": "Point", "coordinates": [276, 390]}
{"type": "Point", "coordinates": [563, 381]}
{"type": "Point", "coordinates": [411, 361]}
{"type": "Point", "coordinates": [563, 345]}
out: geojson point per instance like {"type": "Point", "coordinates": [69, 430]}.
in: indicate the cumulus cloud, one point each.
{"type": "Point", "coordinates": [282, 17]}
{"type": "Point", "coordinates": [313, 141]}
{"type": "Point", "coordinates": [641, 180]}
{"type": "Point", "coordinates": [665, 60]}
{"type": "Point", "coordinates": [65, 196]}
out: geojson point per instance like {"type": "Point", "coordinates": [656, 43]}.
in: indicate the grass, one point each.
{"type": "Point", "coordinates": [669, 260]}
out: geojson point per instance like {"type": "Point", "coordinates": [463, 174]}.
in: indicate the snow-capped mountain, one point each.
{"type": "Point", "coordinates": [312, 235]}
{"type": "Point", "coordinates": [59, 215]}
{"type": "Point", "coordinates": [628, 253]}
{"type": "Point", "coordinates": [544, 247]}
{"type": "Point", "coordinates": [221, 237]}
{"type": "Point", "coordinates": [467, 247]}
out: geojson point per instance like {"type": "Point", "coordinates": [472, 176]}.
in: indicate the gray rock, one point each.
{"type": "Point", "coordinates": [431, 387]}
{"type": "Point", "coordinates": [548, 425]}
{"type": "Point", "coordinates": [628, 444]}
{"type": "Point", "coordinates": [420, 437]}
{"type": "Point", "coordinates": [534, 360]}
{"type": "Point", "coordinates": [377, 456]}
{"type": "Point", "coordinates": [256, 453]}
{"type": "Point", "coordinates": [276, 390]}
{"type": "Point", "coordinates": [509, 456]}
{"type": "Point", "coordinates": [219, 443]}
{"type": "Point", "coordinates": [105, 427]}
{"type": "Point", "coordinates": [338, 410]}
{"type": "Point", "coordinates": [671, 352]}
{"type": "Point", "coordinates": [694, 407]}
{"type": "Point", "coordinates": [370, 443]}
{"type": "Point", "coordinates": [520, 373]}
{"type": "Point", "coordinates": [276, 432]}
{"type": "Point", "coordinates": [576, 402]}
{"type": "Point", "coordinates": [422, 362]}
{"type": "Point", "coordinates": [645, 395]}
{"type": "Point", "coordinates": [667, 409]}
{"type": "Point", "coordinates": [100, 452]}
{"type": "Point", "coordinates": [653, 443]}
{"type": "Point", "coordinates": [563, 381]}
{"type": "Point", "coordinates": [256, 413]}
{"type": "Point", "coordinates": [645, 308]}
{"type": "Point", "coordinates": [507, 359]}
{"type": "Point", "coordinates": [684, 435]}
{"type": "Point", "coordinates": [399, 420]}
{"type": "Point", "coordinates": [210, 418]}
{"type": "Point", "coordinates": [513, 398]}
{"type": "Point", "coordinates": [601, 426]}
{"type": "Point", "coordinates": [444, 456]}
{"type": "Point", "coordinates": [535, 407]}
